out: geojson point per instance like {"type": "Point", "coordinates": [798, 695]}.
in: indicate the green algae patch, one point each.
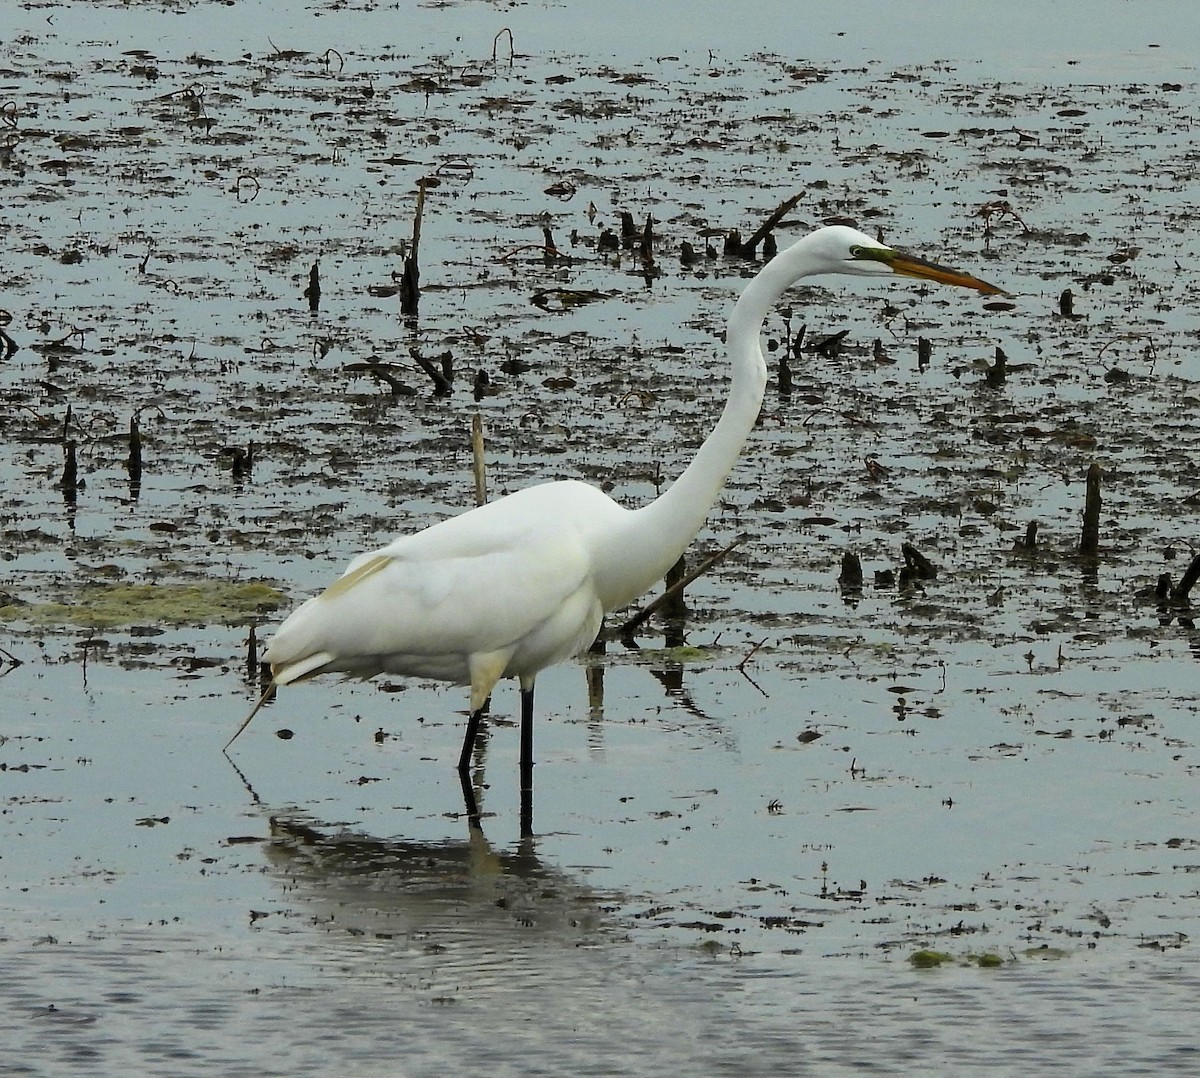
{"type": "Point", "coordinates": [1046, 953]}
{"type": "Point", "coordinates": [934, 959]}
{"type": "Point", "coordinates": [101, 606]}
{"type": "Point", "coordinates": [929, 959]}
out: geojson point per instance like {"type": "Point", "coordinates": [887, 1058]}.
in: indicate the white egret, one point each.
{"type": "Point", "coordinates": [514, 586]}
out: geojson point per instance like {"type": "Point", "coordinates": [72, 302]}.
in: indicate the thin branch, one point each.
{"type": "Point", "coordinates": [650, 609]}
{"type": "Point", "coordinates": [783, 209]}
{"type": "Point", "coordinates": [750, 654]}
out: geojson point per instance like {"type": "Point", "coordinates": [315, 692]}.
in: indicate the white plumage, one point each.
{"type": "Point", "coordinates": [442, 603]}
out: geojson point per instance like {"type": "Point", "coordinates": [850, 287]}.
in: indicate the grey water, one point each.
{"type": "Point", "coordinates": [745, 843]}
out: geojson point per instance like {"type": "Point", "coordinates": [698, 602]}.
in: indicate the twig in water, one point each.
{"type": "Point", "coordinates": [377, 368]}
{"type": "Point", "coordinates": [512, 51]}
{"type": "Point", "coordinates": [440, 382]}
{"type": "Point", "coordinates": [747, 248]}
{"type": "Point", "coordinates": [750, 654]}
{"type": "Point", "coordinates": [648, 611]}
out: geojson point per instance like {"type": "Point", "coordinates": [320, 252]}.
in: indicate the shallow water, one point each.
{"type": "Point", "coordinates": [1006, 763]}
{"type": "Point", "coordinates": [172, 927]}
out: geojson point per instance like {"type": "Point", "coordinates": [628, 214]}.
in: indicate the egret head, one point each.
{"type": "Point", "coordinates": [840, 249]}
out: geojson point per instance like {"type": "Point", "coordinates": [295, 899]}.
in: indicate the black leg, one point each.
{"type": "Point", "coordinates": [464, 761]}
{"type": "Point", "coordinates": [469, 799]}
{"type": "Point", "coordinates": [527, 738]}
{"type": "Point", "coordinates": [527, 761]}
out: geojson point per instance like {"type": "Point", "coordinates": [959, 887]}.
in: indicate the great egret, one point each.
{"type": "Point", "coordinates": [514, 586]}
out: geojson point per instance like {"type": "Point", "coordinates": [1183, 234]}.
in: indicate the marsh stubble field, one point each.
{"type": "Point", "coordinates": [750, 830]}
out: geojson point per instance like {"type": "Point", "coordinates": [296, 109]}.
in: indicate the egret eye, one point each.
{"type": "Point", "coordinates": [856, 251]}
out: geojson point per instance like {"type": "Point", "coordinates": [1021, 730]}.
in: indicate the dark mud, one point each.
{"type": "Point", "coordinates": [995, 763]}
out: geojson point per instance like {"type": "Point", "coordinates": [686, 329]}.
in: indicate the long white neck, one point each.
{"type": "Point", "coordinates": [658, 534]}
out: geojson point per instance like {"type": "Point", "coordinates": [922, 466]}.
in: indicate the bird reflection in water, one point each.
{"type": "Point", "coordinates": [463, 903]}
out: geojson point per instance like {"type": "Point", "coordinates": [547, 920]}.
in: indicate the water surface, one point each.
{"type": "Point", "coordinates": [1006, 760]}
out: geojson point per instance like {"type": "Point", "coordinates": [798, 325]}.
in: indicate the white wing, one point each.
{"type": "Point", "coordinates": [477, 597]}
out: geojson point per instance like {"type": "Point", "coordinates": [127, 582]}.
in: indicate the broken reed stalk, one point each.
{"type": "Point", "coordinates": [916, 566]}
{"type": "Point", "coordinates": [133, 465]}
{"type": "Point", "coordinates": [674, 607]}
{"type": "Point", "coordinates": [1179, 593]}
{"type": "Point", "coordinates": [646, 245]}
{"type": "Point", "coordinates": [750, 655]}
{"type": "Point", "coordinates": [999, 371]}
{"type": "Point", "coordinates": [480, 464]}
{"type": "Point", "coordinates": [650, 609]}
{"type": "Point", "coordinates": [243, 461]}
{"type": "Point", "coordinates": [375, 367]}
{"type": "Point", "coordinates": [70, 475]}
{"type": "Point", "coordinates": [850, 579]}
{"type": "Point", "coordinates": [828, 347]}
{"type": "Point", "coordinates": [759, 234]}
{"type": "Point", "coordinates": [377, 370]}
{"type": "Point", "coordinates": [313, 292]}
{"type": "Point", "coordinates": [1089, 542]}
{"type": "Point", "coordinates": [441, 383]}
{"type": "Point", "coordinates": [629, 230]}
{"type": "Point", "coordinates": [410, 280]}
{"type": "Point", "coordinates": [785, 374]}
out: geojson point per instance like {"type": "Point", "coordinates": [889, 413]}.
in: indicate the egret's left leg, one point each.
{"type": "Point", "coordinates": [527, 736]}
{"type": "Point", "coordinates": [526, 757]}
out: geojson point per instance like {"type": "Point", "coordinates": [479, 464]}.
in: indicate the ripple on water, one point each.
{"type": "Point", "coordinates": [549, 1006]}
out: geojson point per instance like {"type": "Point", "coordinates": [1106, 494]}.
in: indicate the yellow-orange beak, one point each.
{"type": "Point", "coordinates": [911, 266]}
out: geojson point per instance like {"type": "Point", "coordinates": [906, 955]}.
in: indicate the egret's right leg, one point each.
{"type": "Point", "coordinates": [469, 799]}
{"type": "Point", "coordinates": [486, 670]}
{"type": "Point", "coordinates": [464, 761]}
